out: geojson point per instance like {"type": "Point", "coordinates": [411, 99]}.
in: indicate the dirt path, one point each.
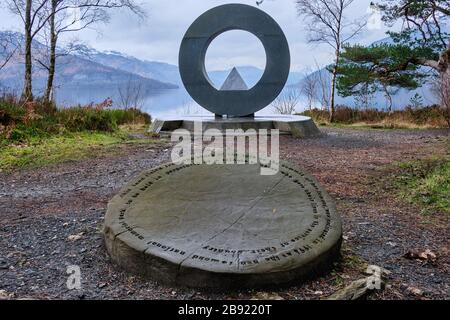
{"type": "Point", "coordinates": [40, 209]}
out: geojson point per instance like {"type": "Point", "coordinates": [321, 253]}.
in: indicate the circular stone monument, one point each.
{"type": "Point", "coordinates": [204, 30]}
{"type": "Point", "coordinates": [223, 226]}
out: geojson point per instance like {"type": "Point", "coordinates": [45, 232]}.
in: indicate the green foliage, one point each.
{"type": "Point", "coordinates": [377, 68]}
{"type": "Point", "coordinates": [80, 119]}
{"type": "Point", "coordinates": [37, 134]}
{"type": "Point", "coordinates": [386, 66]}
{"type": "Point", "coordinates": [425, 47]}
{"type": "Point", "coordinates": [21, 123]}
{"type": "Point", "coordinates": [53, 149]}
{"type": "Point", "coordinates": [424, 22]}
{"type": "Point", "coordinates": [426, 183]}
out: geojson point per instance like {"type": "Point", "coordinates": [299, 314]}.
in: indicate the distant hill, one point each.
{"type": "Point", "coordinates": [251, 76]}
{"type": "Point", "coordinates": [170, 73]}
{"type": "Point", "coordinates": [149, 69]}
{"type": "Point", "coordinates": [108, 70]}
{"type": "Point", "coordinates": [74, 71]}
{"type": "Point", "coordinates": [105, 69]}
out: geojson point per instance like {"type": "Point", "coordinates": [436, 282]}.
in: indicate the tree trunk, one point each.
{"type": "Point", "coordinates": [333, 86]}
{"type": "Point", "coordinates": [389, 98]}
{"type": "Point", "coordinates": [52, 58]}
{"type": "Point", "coordinates": [27, 93]}
{"type": "Point", "coordinates": [445, 94]}
{"type": "Point", "coordinates": [390, 102]}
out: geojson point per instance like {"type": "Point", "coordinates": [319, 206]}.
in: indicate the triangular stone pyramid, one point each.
{"type": "Point", "coordinates": [234, 81]}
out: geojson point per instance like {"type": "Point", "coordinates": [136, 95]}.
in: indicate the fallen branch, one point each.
{"type": "Point", "coordinates": [362, 288]}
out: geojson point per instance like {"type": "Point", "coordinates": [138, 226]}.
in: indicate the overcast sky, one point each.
{"type": "Point", "coordinates": [159, 36]}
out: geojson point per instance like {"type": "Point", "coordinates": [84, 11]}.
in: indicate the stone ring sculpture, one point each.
{"type": "Point", "coordinates": [234, 103]}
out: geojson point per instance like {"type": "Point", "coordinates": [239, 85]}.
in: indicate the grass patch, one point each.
{"type": "Point", "coordinates": [24, 122]}
{"type": "Point", "coordinates": [41, 152]}
{"type": "Point", "coordinates": [409, 118]}
{"type": "Point", "coordinates": [426, 183]}
{"type": "Point", "coordinates": [35, 134]}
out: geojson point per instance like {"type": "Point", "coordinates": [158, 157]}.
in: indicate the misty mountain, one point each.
{"type": "Point", "coordinates": [72, 71]}
{"type": "Point", "coordinates": [149, 69]}
{"type": "Point", "coordinates": [170, 73]}
{"type": "Point", "coordinates": [251, 76]}
{"type": "Point", "coordinates": [109, 70]}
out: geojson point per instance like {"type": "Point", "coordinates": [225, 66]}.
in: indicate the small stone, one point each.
{"type": "Point", "coordinates": [414, 291]}
{"type": "Point", "coordinates": [75, 237]}
{"type": "Point", "coordinates": [420, 255]}
{"type": "Point", "coordinates": [266, 296]}
{"type": "Point", "coordinates": [3, 294]}
{"type": "Point", "coordinates": [102, 285]}
{"type": "Point", "coordinates": [3, 264]}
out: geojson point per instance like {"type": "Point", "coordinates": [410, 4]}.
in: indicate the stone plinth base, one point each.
{"type": "Point", "coordinates": [297, 126]}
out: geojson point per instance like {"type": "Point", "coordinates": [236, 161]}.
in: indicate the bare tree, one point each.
{"type": "Point", "coordinates": [56, 15]}
{"type": "Point", "coordinates": [309, 86]}
{"type": "Point", "coordinates": [444, 83]}
{"type": "Point", "coordinates": [47, 60]}
{"type": "Point", "coordinates": [328, 24]}
{"type": "Point", "coordinates": [364, 98]}
{"type": "Point", "coordinates": [131, 94]}
{"type": "Point", "coordinates": [441, 90]}
{"type": "Point", "coordinates": [287, 101]}
{"type": "Point", "coordinates": [29, 12]}
{"type": "Point", "coordinates": [63, 20]}
{"type": "Point", "coordinates": [323, 87]}
{"type": "Point", "coordinates": [8, 47]}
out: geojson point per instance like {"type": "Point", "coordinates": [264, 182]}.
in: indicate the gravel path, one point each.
{"type": "Point", "coordinates": [51, 218]}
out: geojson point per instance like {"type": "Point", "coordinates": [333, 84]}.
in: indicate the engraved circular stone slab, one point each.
{"type": "Point", "coordinates": [223, 226]}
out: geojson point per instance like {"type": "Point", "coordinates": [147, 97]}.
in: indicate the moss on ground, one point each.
{"type": "Point", "coordinates": [47, 150]}
{"type": "Point", "coordinates": [426, 183]}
